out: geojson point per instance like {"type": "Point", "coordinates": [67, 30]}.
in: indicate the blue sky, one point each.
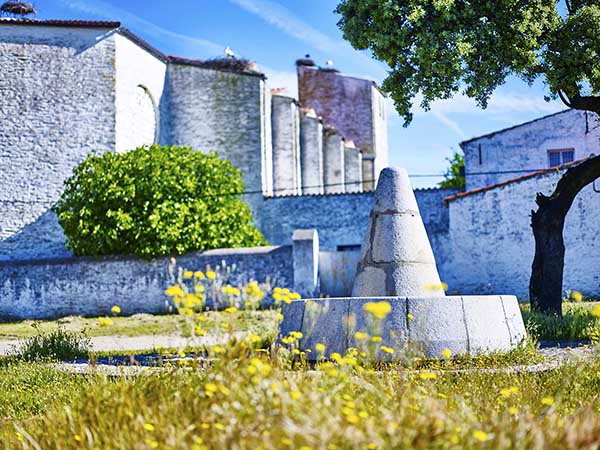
{"type": "Point", "coordinates": [274, 33]}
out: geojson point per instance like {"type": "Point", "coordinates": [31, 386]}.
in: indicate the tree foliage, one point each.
{"type": "Point", "coordinates": [155, 201]}
{"type": "Point", "coordinates": [437, 48]}
{"type": "Point", "coordinates": [454, 178]}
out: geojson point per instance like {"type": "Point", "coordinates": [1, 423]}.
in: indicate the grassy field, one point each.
{"type": "Point", "coordinates": [249, 397]}
{"type": "Point", "coordinates": [253, 399]}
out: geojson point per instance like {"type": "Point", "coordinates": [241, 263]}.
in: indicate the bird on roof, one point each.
{"type": "Point", "coordinates": [329, 63]}
{"type": "Point", "coordinates": [17, 8]}
{"type": "Point", "coordinates": [229, 53]}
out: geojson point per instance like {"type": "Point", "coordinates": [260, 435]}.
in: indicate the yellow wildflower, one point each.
{"type": "Point", "coordinates": [279, 316]}
{"type": "Point", "coordinates": [427, 376]}
{"type": "Point", "coordinates": [149, 427]}
{"type": "Point", "coordinates": [596, 311]}
{"type": "Point", "coordinates": [211, 275]}
{"type": "Point", "coordinates": [577, 296]}
{"type": "Point", "coordinates": [175, 291]}
{"type": "Point", "coordinates": [104, 321]}
{"type": "Point", "coordinates": [513, 410]}
{"type": "Point", "coordinates": [378, 309]}
{"type": "Point", "coordinates": [387, 349]}
{"type": "Point", "coordinates": [296, 395]}
{"type": "Point", "coordinates": [480, 436]}
{"type": "Point", "coordinates": [231, 309]}
{"type": "Point", "coordinates": [188, 274]}
{"type": "Point", "coordinates": [548, 401]}
{"type": "Point", "coordinates": [361, 335]}
{"type": "Point", "coordinates": [446, 353]}
{"type": "Point", "coordinates": [198, 274]}
{"type": "Point", "coordinates": [409, 316]}
{"type": "Point", "coordinates": [116, 309]}
{"type": "Point", "coordinates": [320, 348]}
{"type": "Point", "coordinates": [376, 339]}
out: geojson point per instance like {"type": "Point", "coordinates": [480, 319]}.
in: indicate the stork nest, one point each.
{"type": "Point", "coordinates": [17, 8]}
{"type": "Point", "coordinates": [230, 64]}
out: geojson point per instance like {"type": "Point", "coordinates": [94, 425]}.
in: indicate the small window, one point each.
{"type": "Point", "coordinates": [348, 248]}
{"type": "Point", "coordinates": [560, 156]}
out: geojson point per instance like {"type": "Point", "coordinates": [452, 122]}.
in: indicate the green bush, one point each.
{"type": "Point", "coordinates": [59, 345]}
{"type": "Point", "coordinates": [155, 200]}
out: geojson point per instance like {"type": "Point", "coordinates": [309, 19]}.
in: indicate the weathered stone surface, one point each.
{"type": "Point", "coordinates": [431, 325]}
{"type": "Point", "coordinates": [486, 324]}
{"type": "Point", "coordinates": [394, 192]}
{"type": "Point", "coordinates": [353, 169]}
{"type": "Point", "coordinates": [293, 314]}
{"type": "Point", "coordinates": [514, 319]}
{"type": "Point", "coordinates": [416, 280]}
{"type": "Point", "coordinates": [333, 162]}
{"type": "Point", "coordinates": [397, 259]}
{"type": "Point", "coordinates": [45, 289]}
{"type": "Point", "coordinates": [392, 329]}
{"type": "Point", "coordinates": [398, 238]}
{"type": "Point", "coordinates": [370, 282]}
{"type": "Point", "coordinates": [285, 123]}
{"type": "Point", "coordinates": [437, 324]}
{"type": "Point", "coordinates": [325, 322]}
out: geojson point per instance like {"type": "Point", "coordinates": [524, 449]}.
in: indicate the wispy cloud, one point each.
{"type": "Point", "coordinates": [105, 10]}
{"type": "Point", "coordinates": [286, 21]}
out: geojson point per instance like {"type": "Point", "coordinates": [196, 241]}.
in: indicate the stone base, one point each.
{"type": "Point", "coordinates": [473, 324]}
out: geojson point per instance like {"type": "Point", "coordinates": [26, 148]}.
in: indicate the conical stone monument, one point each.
{"type": "Point", "coordinates": [397, 296]}
{"type": "Point", "coordinates": [396, 257]}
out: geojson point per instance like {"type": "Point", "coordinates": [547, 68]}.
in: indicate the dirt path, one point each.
{"type": "Point", "coordinates": [129, 343]}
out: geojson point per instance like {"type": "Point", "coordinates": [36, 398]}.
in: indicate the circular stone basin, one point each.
{"type": "Point", "coordinates": [471, 324]}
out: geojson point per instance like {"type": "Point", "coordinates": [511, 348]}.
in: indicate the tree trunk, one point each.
{"type": "Point", "coordinates": [545, 285]}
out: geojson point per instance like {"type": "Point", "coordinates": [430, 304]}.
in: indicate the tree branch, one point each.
{"type": "Point", "coordinates": [574, 180]}
{"type": "Point", "coordinates": [585, 103]}
{"type": "Point", "coordinates": [564, 98]}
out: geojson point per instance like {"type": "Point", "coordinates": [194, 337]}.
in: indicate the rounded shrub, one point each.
{"type": "Point", "coordinates": [155, 200]}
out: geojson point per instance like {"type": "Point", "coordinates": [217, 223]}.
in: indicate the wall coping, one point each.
{"type": "Point", "coordinates": [122, 258]}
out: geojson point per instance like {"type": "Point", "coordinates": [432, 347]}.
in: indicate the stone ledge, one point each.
{"type": "Point", "coordinates": [470, 324]}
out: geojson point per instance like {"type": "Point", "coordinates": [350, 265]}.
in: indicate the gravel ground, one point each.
{"type": "Point", "coordinates": [555, 355]}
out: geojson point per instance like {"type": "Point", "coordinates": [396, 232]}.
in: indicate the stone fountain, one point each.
{"type": "Point", "coordinates": [397, 267]}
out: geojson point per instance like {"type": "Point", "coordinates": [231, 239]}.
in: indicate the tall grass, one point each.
{"type": "Point", "coordinates": [253, 399]}
{"type": "Point", "coordinates": [577, 323]}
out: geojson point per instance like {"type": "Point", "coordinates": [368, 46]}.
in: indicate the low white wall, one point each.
{"type": "Point", "coordinates": [491, 245]}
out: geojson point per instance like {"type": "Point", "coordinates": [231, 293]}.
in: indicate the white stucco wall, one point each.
{"type": "Point", "coordinates": [524, 148]}
{"type": "Point", "coordinates": [140, 80]}
{"type": "Point", "coordinates": [491, 244]}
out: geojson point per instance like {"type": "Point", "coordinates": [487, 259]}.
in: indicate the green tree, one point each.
{"type": "Point", "coordinates": [437, 48]}
{"type": "Point", "coordinates": [454, 178]}
{"type": "Point", "coordinates": [154, 201]}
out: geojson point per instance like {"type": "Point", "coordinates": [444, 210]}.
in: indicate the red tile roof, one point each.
{"type": "Point", "coordinates": [512, 180]}
{"type": "Point", "coordinates": [61, 23]}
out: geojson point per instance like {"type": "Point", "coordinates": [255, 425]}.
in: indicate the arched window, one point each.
{"type": "Point", "coordinates": [144, 115]}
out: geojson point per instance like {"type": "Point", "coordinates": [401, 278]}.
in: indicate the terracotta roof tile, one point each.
{"type": "Point", "coordinates": [61, 23]}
